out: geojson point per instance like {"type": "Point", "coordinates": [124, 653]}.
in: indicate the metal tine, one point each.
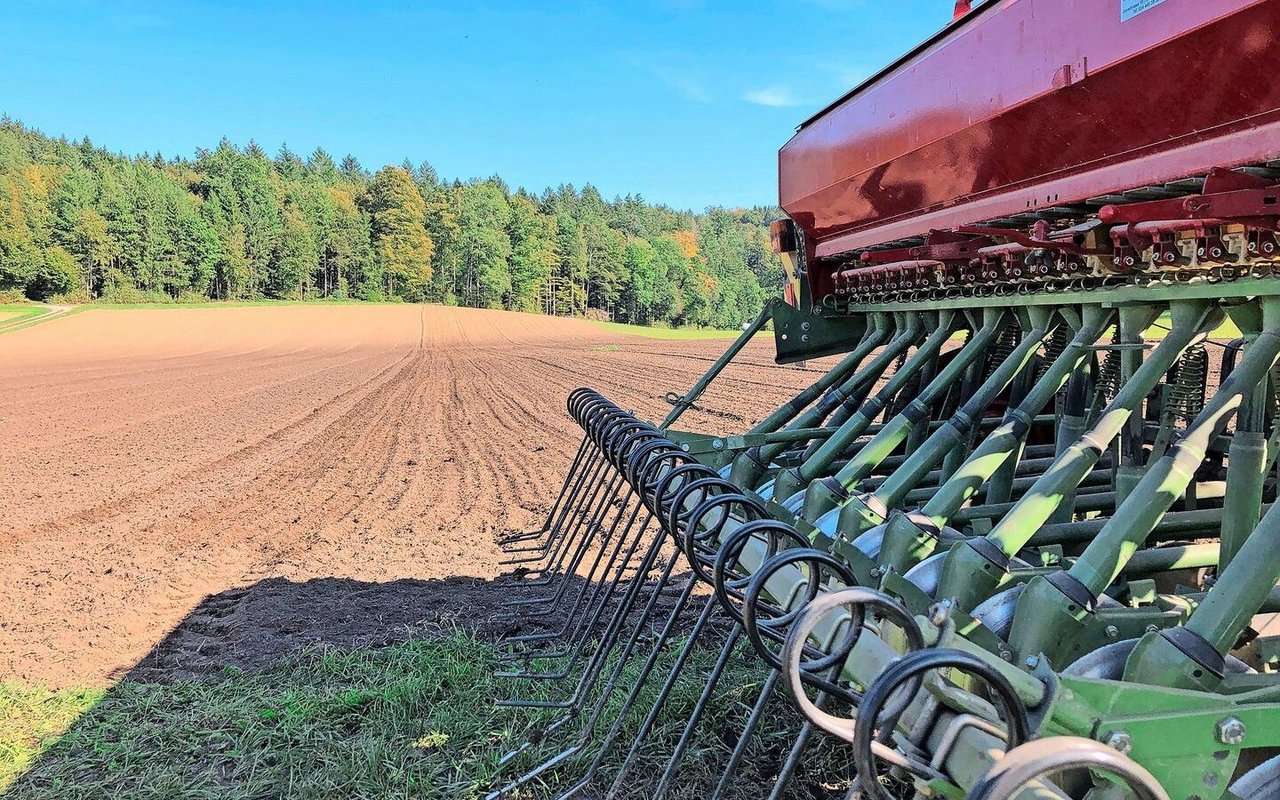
{"type": "Point", "coordinates": [609, 637]}
{"type": "Point", "coordinates": [598, 661]}
{"type": "Point", "coordinates": [604, 477]}
{"type": "Point", "coordinates": [573, 643]}
{"type": "Point", "coordinates": [621, 430]}
{"type": "Point", "coordinates": [552, 643]}
{"type": "Point", "coordinates": [570, 478]}
{"type": "Point", "coordinates": [590, 491]}
{"type": "Point", "coordinates": [617, 498]}
{"type": "Point", "coordinates": [585, 626]}
{"type": "Point", "coordinates": [639, 626]}
{"type": "Point", "coordinates": [592, 412]}
{"type": "Point", "coordinates": [581, 401]}
{"type": "Point", "coordinates": [563, 564]}
{"type": "Point", "coordinates": [601, 591]}
{"type": "Point", "coordinates": [691, 547]}
{"type": "Point", "coordinates": [573, 403]}
{"type": "Point", "coordinates": [597, 604]}
{"type": "Point", "coordinates": [795, 550]}
{"type": "Point", "coordinates": [587, 481]}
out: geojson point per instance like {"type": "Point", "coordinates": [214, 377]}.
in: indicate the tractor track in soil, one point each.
{"type": "Point", "coordinates": [188, 489]}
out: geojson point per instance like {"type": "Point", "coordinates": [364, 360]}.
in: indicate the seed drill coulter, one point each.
{"type": "Point", "coordinates": [1020, 540]}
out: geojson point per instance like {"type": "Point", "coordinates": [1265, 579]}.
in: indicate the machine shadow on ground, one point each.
{"type": "Point", "coordinates": [328, 687]}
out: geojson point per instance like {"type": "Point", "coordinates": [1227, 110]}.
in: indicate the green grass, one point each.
{"type": "Point", "coordinates": [32, 719]}
{"type": "Point", "coordinates": [669, 333]}
{"type": "Point", "coordinates": [26, 314]}
{"type": "Point", "coordinates": [411, 720]}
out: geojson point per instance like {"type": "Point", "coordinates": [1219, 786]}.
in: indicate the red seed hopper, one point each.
{"type": "Point", "coordinates": [1032, 116]}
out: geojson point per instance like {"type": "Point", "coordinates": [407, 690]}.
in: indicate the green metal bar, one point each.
{"type": "Point", "coordinates": [749, 467]}
{"type": "Point", "coordinates": [1129, 442]}
{"type": "Point", "coordinates": [1178, 525]}
{"type": "Point", "coordinates": [1166, 559]}
{"type": "Point", "coordinates": [695, 391]}
{"type": "Point", "coordinates": [1190, 320]}
{"type": "Point", "coordinates": [958, 426]}
{"type": "Point", "coordinates": [790, 481]}
{"type": "Point", "coordinates": [1246, 473]}
{"type": "Point", "coordinates": [822, 496]}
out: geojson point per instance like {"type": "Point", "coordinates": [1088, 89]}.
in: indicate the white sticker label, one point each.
{"type": "Point", "coordinates": [1132, 8]}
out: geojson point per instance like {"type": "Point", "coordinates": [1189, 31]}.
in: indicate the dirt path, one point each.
{"type": "Point", "coordinates": [160, 464]}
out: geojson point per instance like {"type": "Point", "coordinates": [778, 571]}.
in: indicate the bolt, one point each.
{"type": "Point", "coordinates": [1119, 740]}
{"type": "Point", "coordinates": [716, 444]}
{"type": "Point", "coordinates": [1152, 628]}
{"type": "Point", "coordinates": [1006, 655]}
{"type": "Point", "coordinates": [804, 326]}
{"type": "Point", "coordinates": [940, 612]}
{"type": "Point", "coordinates": [876, 573]}
{"type": "Point", "coordinates": [1033, 662]}
{"type": "Point", "coordinates": [1112, 631]}
{"type": "Point", "coordinates": [1230, 731]}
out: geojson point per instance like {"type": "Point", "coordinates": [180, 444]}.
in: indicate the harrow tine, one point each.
{"type": "Point", "coordinates": [574, 646]}
{"type": "Point", "coordinates": [582, 402]}
{"type": "Point", "coordinates": [602, 488]}
{"type": "Point", "coordinates": [563, 498]}
{"type": "Point", "coordinates": [602, 591]}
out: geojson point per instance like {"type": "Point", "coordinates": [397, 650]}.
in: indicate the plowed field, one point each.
{"type": "Point", "coordinates": [158, 463]}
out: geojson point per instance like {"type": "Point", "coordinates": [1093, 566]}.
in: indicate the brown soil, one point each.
{"type": "Point", "coordinates": [187, 489]}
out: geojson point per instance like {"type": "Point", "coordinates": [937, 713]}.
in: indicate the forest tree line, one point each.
{"type": "Point", "coordinates": [79, 223]}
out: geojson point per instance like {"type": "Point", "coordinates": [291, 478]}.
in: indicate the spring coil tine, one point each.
{"type": "Point", "coordinates": [794, 647]}
{"type": "Point", "coordinates": [699, 555]}
{"type": "Point", "coordinates": [728, 557]}
{"type": "Point", "coordinates": [578, 398]}
{"type": "Point", "coordinates": [589, 416]}
{"type": "Point", "coordinates": [661, 489]}
{"type": "Point", "coordinates": [601, 421]}
{"type": "Point", "coordinates": [638, 452]}
{"type": "Point", "coordinates": [633, 451]}
{"type": "Point", "coordinates": [911, 669]}
{"type": "Point", "coordinates": [1028, 762]}
{"type": "Point", "coordinates": [758, 630]}
{"type": "Point", "coordinates": [621, 440]}
{"type": "Point", "coordinates": [668, 488]}
{"type": "Point", "coordinates": [704, 544]}
{"type": "Point", "coordinates": [679, 516]}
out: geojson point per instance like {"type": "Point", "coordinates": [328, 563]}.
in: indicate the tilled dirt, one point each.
{"type": "Point", "coordinates": [184, 490]}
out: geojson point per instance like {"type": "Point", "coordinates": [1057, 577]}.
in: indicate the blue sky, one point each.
{"type": "Point", "coordinates": [682, 101]}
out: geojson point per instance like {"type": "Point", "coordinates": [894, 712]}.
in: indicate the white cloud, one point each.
{"type": "Point", "coordinates": [773, 97]}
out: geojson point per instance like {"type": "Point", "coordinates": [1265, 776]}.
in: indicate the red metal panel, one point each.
{"type": "Point", "coordinates": [1033, 103]}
